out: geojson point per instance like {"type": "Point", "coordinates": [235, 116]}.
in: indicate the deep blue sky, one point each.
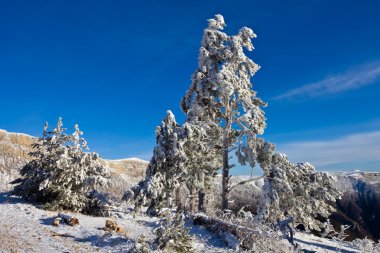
{"type": "Point", "coordinates": [115, 67]}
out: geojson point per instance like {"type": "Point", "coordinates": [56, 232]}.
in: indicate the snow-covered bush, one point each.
{"type": "Point", "coordinates": [172, 235]}
{"type": "Point", "coordinates": [62, 175]}
{"type": "Point", "coordinates": [140, 246]}
{"type": "Point", "coordinates": [366, 245]}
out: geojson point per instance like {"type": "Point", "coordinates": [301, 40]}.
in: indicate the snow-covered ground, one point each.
{"type": "Point", "coordinates": [26, 228]}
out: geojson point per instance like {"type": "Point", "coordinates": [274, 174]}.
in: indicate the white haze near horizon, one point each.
{"type": "Point", "coordinates": [355, 151]}
{"type": "Point", "coordinates": [358, 151]}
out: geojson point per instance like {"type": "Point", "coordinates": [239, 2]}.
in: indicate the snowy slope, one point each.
{"type": "Point", "coordinates": [25, 228]}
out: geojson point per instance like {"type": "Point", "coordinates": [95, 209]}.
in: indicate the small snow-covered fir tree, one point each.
{"type": "Point", "coordinates": [165, 171]}
{"type": "Point", "coordinates": [221, 92]}
{"type": "Point", "coordinates": [295, 190]}
{"type": "Point", "coordinates": [182, 157]}
{"type": "Point", "coordinates": [62, 175]}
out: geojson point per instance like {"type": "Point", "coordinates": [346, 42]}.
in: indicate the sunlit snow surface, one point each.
{"type": "Point", "coordinates": [26, 228]}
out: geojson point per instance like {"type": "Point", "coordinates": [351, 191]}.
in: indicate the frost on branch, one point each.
{"type": "Point", "coordinates": [296, 190]}
{"type": "Point", "coordinates": [62, 175]}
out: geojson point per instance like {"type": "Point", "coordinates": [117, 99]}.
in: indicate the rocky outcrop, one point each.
{"type": "Point", "coordinates": [14, 149]}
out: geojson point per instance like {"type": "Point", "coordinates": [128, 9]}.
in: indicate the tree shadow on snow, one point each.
{"type": "Point", "coordinates": [47, 221]}
{"type": "Point", "coordinates": [206, 236]}
{"type": "Point", "coordinates": [7, 198]}
{"type": "Point", "coordinates": [106, 240]}
{"type": "Point", "coordinates": [151, 224]}
{"type": "Point", "coordinates": [323, 246]}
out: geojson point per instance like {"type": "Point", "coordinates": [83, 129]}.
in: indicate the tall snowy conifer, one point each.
{"type": "Point", "coordinates": [61, 175]}
{"type": "Point", "coordinates": [221, 93]}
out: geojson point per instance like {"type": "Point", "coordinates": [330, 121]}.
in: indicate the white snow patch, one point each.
{"type": "Point", "coordinates": [13, 133]}
{"type": "Point", "coordinates": [135, 159]}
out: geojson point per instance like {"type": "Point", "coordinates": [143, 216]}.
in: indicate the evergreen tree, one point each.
{"type": "Point", "coordinates": [203, 152]}
{"type": "Point", "coordinates": [221, 93]}
{"type": "Point", "coordinates": [295, 190]}
{"type": "Point", "coordinates": [182, 157]}
{"type": "Point", "coordinates": [62, 175]}
{"type": "Point", "coordinates": [165, 171]}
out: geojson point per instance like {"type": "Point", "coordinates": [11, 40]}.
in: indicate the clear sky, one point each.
{"type": "Point", "coordinates": [115, 67]}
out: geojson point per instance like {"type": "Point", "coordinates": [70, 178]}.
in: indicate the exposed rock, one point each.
{"type": "Point", "coordinates": [112, 226]}
{"type": "Point", "coordinates": [14, 149]}
{"type": "Point", "coordinates": [65, 219]}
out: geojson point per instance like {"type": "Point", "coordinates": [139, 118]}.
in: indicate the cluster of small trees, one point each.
{"type": "Point", "coordinates": [224, 115]}
{"type": "Point", "coordinates": [62, 175]}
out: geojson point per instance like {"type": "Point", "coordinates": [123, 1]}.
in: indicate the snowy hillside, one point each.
{"type": "Point", "coordinates": [28, 228]}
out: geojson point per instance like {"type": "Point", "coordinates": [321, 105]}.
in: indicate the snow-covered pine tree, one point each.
{"type": "Point", "coordinates": [181, 158]}
{"type": "Point", "coordinates": [221, 92]}
{"type": "Point", "coordinates": [62, 175]}
{"type": "Point", "coordinates": [165, 171]}
{"type": "Point", "coordinates": [295, 190]}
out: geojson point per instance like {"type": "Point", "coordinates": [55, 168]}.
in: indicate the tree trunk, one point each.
{"type": "Point", "coordinates": [192, 199]}
{"type": "Point", "coordinates": [226, 166]}
{"type": "Point", "coordinates": [228, 232]}
{"type": "Point", "coordinates": [201, 201]}
{"type": "Point", "coordinates": [201, 193]}
{"type": "Point", "coordinates": [225, 180]}
{"type": "Point", "coordinates": [178, 202]}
